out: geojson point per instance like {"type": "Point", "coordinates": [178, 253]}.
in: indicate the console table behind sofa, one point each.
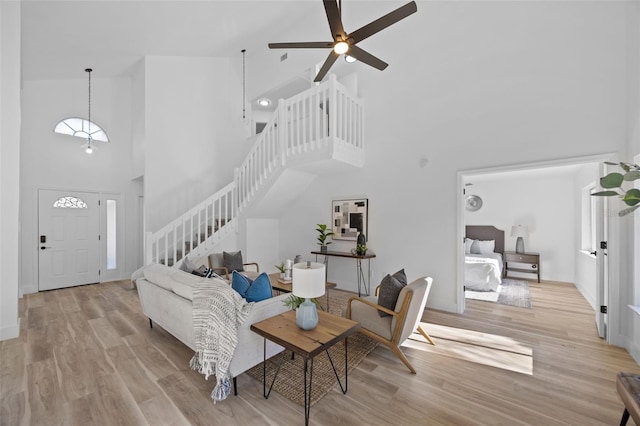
{"type": "Point", "coordinates": [362, 282]}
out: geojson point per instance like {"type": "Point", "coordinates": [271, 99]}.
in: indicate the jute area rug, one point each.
{"type": "Point", "coordinates": [511, 292]}
{"type": "Point", "coordinates": [290, 380]}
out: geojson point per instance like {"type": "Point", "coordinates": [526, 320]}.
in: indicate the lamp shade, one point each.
{"type": "Point", "coordinates": [519, 231]}
{"type": "Point", "coordinates": [308, 279]}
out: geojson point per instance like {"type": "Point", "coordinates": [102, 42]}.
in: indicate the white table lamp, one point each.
{"type": "Point", "coordinates": [520, 231]}
{"type": "Point", "coordinates": [308, 282]}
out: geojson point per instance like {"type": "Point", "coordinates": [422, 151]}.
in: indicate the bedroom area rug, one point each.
{"type": "Point", "coordinates": [511, 292]}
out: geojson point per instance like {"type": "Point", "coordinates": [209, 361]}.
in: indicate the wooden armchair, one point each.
{"type": "Point", "coordinates": [216, 263]}
{"type": "Point", "coordinates": [393, 330]}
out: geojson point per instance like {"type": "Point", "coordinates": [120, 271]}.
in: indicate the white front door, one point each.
{"type": "Point", "coordinates": [68, 238]}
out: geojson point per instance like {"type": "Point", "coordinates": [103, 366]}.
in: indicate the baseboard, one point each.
{"type": "Point", "coordinates": [10, 332]}
{"type": "Point", "coordinates": [27, 290]}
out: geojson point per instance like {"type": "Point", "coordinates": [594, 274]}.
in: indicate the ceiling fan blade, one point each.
{"type": "Point", "coordinates": [367, 58]}
{"type": "Point", "coordinates": [383, 22]}
{"type": "Point", "coordinates": [302, 45]}
{"type": "Point", "coordinates": [326, 66]}
{"type": "Point", "coordinates": [335, 21]}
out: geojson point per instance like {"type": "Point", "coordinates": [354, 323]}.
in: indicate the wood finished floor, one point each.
{"type": "Point", "coordinates": [86, 356]}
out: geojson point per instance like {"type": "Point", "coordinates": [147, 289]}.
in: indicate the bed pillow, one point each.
{"type": "Point", "coordinates": [467, 245]}
{"type": "Point", "coordinates": [487, 246]}
{"type": "Point", "coordinates": [390, 288]}
{"type": "Point", "coordinates": [475, 247]}
{"type": "Point", "coordinates": [252, 290]}
{"type": "Point", "coordinates": [232, 261]}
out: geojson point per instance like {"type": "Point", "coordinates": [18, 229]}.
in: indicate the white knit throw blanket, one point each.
{"type": "Point", "coordinates": [218, 311]}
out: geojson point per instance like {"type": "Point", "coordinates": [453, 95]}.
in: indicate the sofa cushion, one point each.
{"type": "Point", "coordinates": [160, 275]}
{"type": "Point", "coordinates": [232, 261]}
{"type": "Point", "coordinates": [183, 283]}
{"type": "Point", "coordinates": [252, 290]}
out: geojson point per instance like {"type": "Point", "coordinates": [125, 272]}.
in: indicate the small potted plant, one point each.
{"type": "Point", "coordinates": [293, 302]}
{"type": "Point", "coordinates": [361, 249]}
{"type": "Point", "coordinates": [280, 268]}
{"type": "Point", "coordinates": [323, 234]}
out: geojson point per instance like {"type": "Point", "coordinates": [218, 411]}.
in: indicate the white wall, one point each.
{"type": "Point", "coordinates": [543, 203]}
{"type": "Point", "coordinates": [485, 84]}
{"type": "Point", "coordinates": [193, 133]}
{"type": "Point", "coordinates": [633, 152]}
{"type": "Point", "coordinates": [9, 166]}
{"type": "Point", "coordinates": [55, 161]}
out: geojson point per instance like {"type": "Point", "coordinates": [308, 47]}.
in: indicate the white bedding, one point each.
{"type": "Point", "coordinates": [482, 272]}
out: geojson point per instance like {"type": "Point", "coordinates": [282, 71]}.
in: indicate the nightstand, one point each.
{"type": "Point", "coordinates": [528, 263]}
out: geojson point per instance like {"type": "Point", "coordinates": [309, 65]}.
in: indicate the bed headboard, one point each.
{"type": "Point", "coordinates": [485, 232]}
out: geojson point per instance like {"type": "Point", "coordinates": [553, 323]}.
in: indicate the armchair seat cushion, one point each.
{"type": "Point", "coordinates": [368, 318]}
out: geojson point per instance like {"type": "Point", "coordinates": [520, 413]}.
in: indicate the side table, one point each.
{"type": "Point", "coordinates": [531, 262]}
{"type": "Point", "coordinates": [283, 330]}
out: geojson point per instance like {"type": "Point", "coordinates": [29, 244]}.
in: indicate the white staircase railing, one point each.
{"type": "Point", "coordinates": [325, 117]}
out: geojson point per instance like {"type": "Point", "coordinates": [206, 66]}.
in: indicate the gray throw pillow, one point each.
{"type": "Point", "coordinates": [187, 265]}
{"type": "Point", "coordinates": [475, 247]}
{"type": "Point", "coordinates": [389, 291]}
{"type": "Point", "coordinates": [232, 261]}
{"type": "Point", "coordinates": [400, 276]}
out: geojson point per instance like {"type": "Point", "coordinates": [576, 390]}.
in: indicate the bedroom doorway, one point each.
{"type": "Point", "coordinates": [552, 214]}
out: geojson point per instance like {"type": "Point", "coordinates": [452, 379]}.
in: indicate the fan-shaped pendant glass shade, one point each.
{"type": "Point", "coordinates": [81, 128]}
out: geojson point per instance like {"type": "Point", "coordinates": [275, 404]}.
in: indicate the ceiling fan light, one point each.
{"type": "Point", "coordinates": [341, 47]}
{"type": "Point", "coordinates": [349, 59]}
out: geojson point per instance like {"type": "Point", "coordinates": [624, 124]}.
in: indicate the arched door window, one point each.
{"type": "Point", "coordinates": [69, 202]}
{"type": "Point", "coordinates": [81, 128]}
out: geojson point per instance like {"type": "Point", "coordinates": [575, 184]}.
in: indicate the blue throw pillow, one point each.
{"type": "Point", "coordinates": [253, 291]}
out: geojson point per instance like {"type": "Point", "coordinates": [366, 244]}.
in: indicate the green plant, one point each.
{"type": "Point", "coordinates": [323, 234]}
{"type": "Point", "coordinates": [612, 183]}
{"type": "Point", "coordinates": [292, 302]}
{"type": "Point", "coordinates": [280, 267]}
{"type": "Point", "coordinates": [361, 249]}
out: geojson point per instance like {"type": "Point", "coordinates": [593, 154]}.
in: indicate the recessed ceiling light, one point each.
{"type": "Point", "coordinates": [349, 59]}
{"type": "Point", "coordinates": [264, 102]}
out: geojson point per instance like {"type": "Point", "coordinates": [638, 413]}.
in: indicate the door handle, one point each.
{"type": "Point", "coordinates": [44, 248]}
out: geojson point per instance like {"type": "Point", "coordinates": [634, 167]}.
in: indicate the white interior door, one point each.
{"type": "Point", "coordinates": [602, 273]}
{"type": "Point", "coordinates": [68, 238]}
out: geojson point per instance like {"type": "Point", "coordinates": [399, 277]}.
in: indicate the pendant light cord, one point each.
{"type": "Point", "coordinates": [89, 138]}
{"type": "Point", "coordinates": [244, 89]}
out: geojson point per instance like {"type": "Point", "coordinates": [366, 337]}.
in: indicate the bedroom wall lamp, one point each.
{"type": "Point", "coordinates": [520, 231]}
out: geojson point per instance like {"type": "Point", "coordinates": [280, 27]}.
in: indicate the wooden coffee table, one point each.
{"type": "Point", "coordinates": [283, 330]}
{"type": "Point", "coordinates": [285, 287]}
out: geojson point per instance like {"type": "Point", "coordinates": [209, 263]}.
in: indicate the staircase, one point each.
{"type": "Point", "coordinates": [317, 131]}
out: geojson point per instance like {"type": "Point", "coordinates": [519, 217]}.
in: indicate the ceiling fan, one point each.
{"type": "Point", "coordinates": [344, 43]}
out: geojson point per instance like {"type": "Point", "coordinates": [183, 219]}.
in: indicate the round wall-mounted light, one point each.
{"type": "Point", "coordinates": [264, 102]}
{"type": "Point", "coordinates": [349, 59]}
{"type": "Point", "coordinates": [341, 47]}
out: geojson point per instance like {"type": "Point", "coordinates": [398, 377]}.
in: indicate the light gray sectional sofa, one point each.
{"type": "Point", "coordinates": [166, 296]}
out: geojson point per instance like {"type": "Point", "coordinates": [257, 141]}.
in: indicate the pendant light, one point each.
{"type": "Point", "coordinates": [88, 147]}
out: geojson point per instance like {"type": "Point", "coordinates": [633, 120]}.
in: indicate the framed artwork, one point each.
{"type": "Point", "coordinates": [350, 217]}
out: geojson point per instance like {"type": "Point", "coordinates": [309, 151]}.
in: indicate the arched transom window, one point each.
{"type": "Point", "coordinates": [81, 128]}
{"type": "Point", "coordinates": [69, 202]}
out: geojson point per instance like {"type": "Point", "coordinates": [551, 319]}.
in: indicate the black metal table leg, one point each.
{"type": "Point", "coordinates": [264, 371]}
{"type": "Point", "coordinates": [346, 367]}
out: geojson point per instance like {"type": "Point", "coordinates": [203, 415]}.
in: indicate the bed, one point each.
{"type": "Point", "coordinates": [483, 266]}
